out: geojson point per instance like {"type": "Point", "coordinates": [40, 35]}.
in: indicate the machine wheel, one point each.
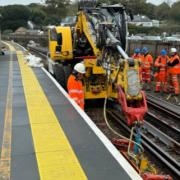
{"type": "Point", "coordinates": [67, 72]}
{"type": "Point", "coordinates": [2, 53]}
{"type": "Point", "coordinates": [60, 75]}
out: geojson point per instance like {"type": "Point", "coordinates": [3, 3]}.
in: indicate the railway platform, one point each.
{"type": "Point", "coordinates": [44, 134]}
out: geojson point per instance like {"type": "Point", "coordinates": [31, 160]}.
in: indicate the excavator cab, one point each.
{"type": "Point", "coordinates": [60, 43]}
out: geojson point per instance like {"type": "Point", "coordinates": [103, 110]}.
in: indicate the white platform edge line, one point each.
{"type": "Point", "coordinates": [107, 143]}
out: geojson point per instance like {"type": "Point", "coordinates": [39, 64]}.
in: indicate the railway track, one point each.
{"type": "Point", "coordinates": [165, 124]}
{"type": "Point", "coordinates": [157, 151]}
{"type": "Point", "coordinates": [160, 135]}
{"type": "Point", "coordinates": [164, 106]}
{"type": "Point", "coordinates": [39, 50]}
{"type": "Point", "coordinates": [163, 147]}
{"type": "Point", "coordinates": [164, 116]}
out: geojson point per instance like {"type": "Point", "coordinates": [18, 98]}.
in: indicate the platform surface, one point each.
{"type": "Point", "coordinates": [44, 135]}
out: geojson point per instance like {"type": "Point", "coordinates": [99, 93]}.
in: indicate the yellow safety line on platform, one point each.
{"type": "Point", "coordinates": [55, 157]}
{"type": "Point", "coordinates": [5, 159]}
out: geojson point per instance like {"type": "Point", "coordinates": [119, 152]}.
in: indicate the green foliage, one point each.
{"type": "Point", "coordinates": [162, 11]}
{"type": "Point", "coordinates": [51, 20]}
{"type": "Point", "coordinates": [175, 12]}
{"type": "Point", "coordinates": [16, 12]}
{"type": "Point", "coordinates": [136, 6]}
{"type": "Point", "coordinates": [14, 24]}
{"type": "Point", "coordinates": [57, 7]}
{"type": "Point", "coordinates": [7, 31]}
{"type": "Point", "coordinates": [141, 30]}
{"type": "Point", "coordinates": [35, 6]}
{"type": "Point", "coordinates": [170, 29]}
{"type": "Point", "coordinates": [72, 9]}
{"type": "Point", "coordinates": [14, 16]}
{"type": "Point", "coordinates": [38, 16]}
{"type": "Point", "coordinates": [150, 11]}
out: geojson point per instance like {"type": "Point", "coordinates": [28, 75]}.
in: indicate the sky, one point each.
{"type": "Point", "coordinates": [25, 2]}
{"type": "Point", "coordinates": [156, 1]}
{"type": "Point", "coordinates": [8, 2]}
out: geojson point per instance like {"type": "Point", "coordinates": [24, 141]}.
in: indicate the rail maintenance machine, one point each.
{"type": "Point", "coordinates": [98, 40]}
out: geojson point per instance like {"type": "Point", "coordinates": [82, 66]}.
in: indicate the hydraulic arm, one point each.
{"type": "Point", "coordinates": [101, 32]}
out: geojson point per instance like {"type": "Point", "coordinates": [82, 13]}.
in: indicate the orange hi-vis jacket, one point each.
{"type": "Point", "coordinates": [147, 61]}
{"type": "Point", "coordinates": [136, 56]}
{"type": "Point", "coordinates": [174, 69]}
{"type": "Point", "coordinates": [76, 90]}
{"type": "Point", "coordinates": [161, 63]}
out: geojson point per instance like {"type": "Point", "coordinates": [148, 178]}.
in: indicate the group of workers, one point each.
{"type": "Point", "coordinates": [166, 71]}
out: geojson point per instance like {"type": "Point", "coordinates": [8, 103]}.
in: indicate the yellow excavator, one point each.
{"type": "Point", "coordinates": [98, 40]}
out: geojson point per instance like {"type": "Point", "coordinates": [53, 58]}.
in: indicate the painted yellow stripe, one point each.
{"type": "Point", "coordinates": [55, 157]}
{"type": "Point", "coordinates": [5, 159]}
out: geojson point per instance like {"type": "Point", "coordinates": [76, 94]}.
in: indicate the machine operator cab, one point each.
{"type": "Point", "coordinates": [60, 43]}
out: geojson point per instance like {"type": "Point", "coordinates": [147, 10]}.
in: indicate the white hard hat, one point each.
{"type": "Point", "coordinates": [79, 67]}
{"type": "Point", "coordinates": [173, 50]}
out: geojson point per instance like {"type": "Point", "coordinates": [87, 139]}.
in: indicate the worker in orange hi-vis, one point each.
{"type": "Point", "coordinates": [174, 70]}
{"type": "Point", "coordinates": [75, 86]}
{"type": "Point", "coordinates": [137, 55]}
{"type": "Point", "coordinates": [147, 63]}
{"type": "Point", "coordinates": [161, 65]}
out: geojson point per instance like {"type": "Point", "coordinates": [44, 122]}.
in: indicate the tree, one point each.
{"type": "Point", "coordinates": [150, 11]}
{"type": "Point", "coordinates": [73, 8]}
{"type": "Point", "coordinates": [136, 6]}
{"type": "Point", "coordinates": [51, 20]}
{"type": "Point", "coordinates": [38, 16]}
{"type": "Point", "coordinates": [57, 7]}
{"type": "Point", "coordinates": [162, 11]}
{"type": "Point", "coordinates": [15, 16]}
{"type": "Point", "coordinates": [175, 13]}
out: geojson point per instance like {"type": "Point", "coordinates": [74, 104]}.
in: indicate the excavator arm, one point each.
{"type": "Point", "coordinates": [100, 33]}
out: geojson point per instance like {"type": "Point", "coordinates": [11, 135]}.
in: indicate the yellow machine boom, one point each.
{"type": "Point", "coordinates": [99, 40]}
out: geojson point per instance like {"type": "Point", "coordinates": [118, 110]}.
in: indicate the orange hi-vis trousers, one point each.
{"type": "Point", "coordinates": [174, 83]}
{"type": "Point", "coordinates": [146, 75]}
{"type": "Point", "coordinates": [161, 81]}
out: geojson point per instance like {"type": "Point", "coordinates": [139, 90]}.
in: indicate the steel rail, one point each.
{"type": "Point", "coordinates": [39, 50]}
{"type": "Point", "coordinates": [165, 125]}
{"type": "Point", "coordinates": [153, 146]}
{"type": "Point", "coordinates": [172, 110]}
